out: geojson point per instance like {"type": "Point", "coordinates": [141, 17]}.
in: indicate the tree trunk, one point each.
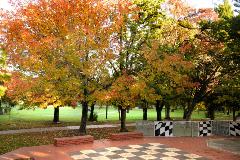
{"type": "Point", "coordinates": [145, 109]}
{"type": "Point", "coordinates": [198, 97]}
{"type": "Point", "coordinates": [234, 114]}
{"type": "Point", "coordinates": [228, 111]}
{"type": "Point", "coordinates": [189, 114]}
{"type": "Point", "coordinates": [145, 113]}
{"type": "Point", "coordinates": [83, 124]}
{"type": "Point", "coordinates": [56, 115]}
{"type": "Point", "coordinates": [119, 114]}
{"type": "Point", "coordinates": [211, 112]}
{"type": "Point", "coordinates": [185, 109]}
{"type": "Point", "coordinates": [91, 118]}
{"type": "Point", "coordinates": [123, 120]}
{"type": "Point", "coordinates": [159, 107]}
{"type": "Point", "coordinates": [190, 109]}
{"type": "Point", "coordinates": [185, 113]}
{"type": "Point", "coordinates": [106, 112]}
{"type": "Point", "coordinates": [167, 111]}
{"type": "Point", "coordinates": [1, 109]}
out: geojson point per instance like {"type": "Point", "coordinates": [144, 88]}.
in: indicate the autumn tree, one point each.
{"type": "Point", "coordinates": [141, 18]}
{"type": "Point", "coordinates": [206, 72]}
{"type": "Point", "coordinates": [166, 66]}
{"type": "Point", "coordinates": [64, 44]}
{"type": "Point", "coordinates": [165, 73]}
{"type": "Point", "coordinates": [188, 20]}
{"type": "Point", "coordinates": [213, 58]}
{"type": "Point", "coordinates": [225, 31]}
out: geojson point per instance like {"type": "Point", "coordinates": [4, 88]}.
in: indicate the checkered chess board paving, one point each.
{"type": "Point", "coordinates": [149, 151]}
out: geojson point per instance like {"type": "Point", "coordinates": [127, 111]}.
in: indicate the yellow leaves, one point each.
{"type": "Point", "coordinates": [4, 75]}
{"type": "Point", "coordinates": [127, 90]}
{"type": "Point", "coordinates": [200, 106]}
{"type": "Point", "coordinates": [144, 92]}
{"type": "Point", "coordinates": [2, 90]}
{"type": "Point", "coordinates": [43, 105]}
{"type": "Point", "coordinates": [48, 100]}
{"type": "Point", "coordinates": [103, 97]}
{"type": "Point", "coordinates": [57, 103]}
{"type": "Point", "coordinates": [166, 72]}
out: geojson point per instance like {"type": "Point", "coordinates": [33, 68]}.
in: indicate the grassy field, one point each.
{"type": "Point", "coordinates": [18, 119]}
{"type": "Point", "coordinates": [68, 114]}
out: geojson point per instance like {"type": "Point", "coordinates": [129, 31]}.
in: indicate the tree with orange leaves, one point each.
{"type": "Point", "coordinates": [63, 44]}
{"type": "Point", "coordinates": [186, 26]}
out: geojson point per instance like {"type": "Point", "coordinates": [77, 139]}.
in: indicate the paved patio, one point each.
{"type": "Point", "coordinates": [179, 148]}
{"type": "Point", "coordinates": [147, 151]}
{"type": "Point", "coordinates": [229, 144]}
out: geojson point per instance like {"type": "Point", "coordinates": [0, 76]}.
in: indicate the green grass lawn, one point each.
{"type": "Point", "coordinates": [68, 114]}
{"type": "Point", "coordinates": [18, 119]}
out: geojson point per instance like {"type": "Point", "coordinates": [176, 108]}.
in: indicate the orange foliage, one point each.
{"type": "Point", "coordinates": [63, 43]}
{"type": "Point", "coordinates": [18, 86]}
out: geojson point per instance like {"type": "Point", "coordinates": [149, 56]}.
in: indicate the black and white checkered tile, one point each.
{"type": "Point", "coordinates": [163, 128]}
{"type": "Point", "coordinates": [150, 151]}
{"type": "Point", "coordinates": [234, 128]}
{"type": "Point", "coordinates": [205, 128]}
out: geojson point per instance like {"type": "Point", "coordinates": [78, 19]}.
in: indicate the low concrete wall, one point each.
{"type": "Point", "coordinates": [188, 128]}
{"type": "Point", "coordinates": [146, 127]}
{"type": "Point", "coordinates": [220, 128]}
{"type": "Point", "coordinates": [183, 128]}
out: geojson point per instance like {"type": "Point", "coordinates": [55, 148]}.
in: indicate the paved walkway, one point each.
{"type": "Point", "coordinates": [174, 148]}
{"type": "Point", "coordinates": [229, 144]}
{"type": "Point", "coordinates": [60, 128]}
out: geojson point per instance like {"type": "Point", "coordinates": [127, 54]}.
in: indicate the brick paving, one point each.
{"type": "Point", "coordinates": [186, 145]}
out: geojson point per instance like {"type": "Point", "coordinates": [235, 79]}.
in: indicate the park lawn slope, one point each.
{"type": "Point", "coordinates": [19, 119]}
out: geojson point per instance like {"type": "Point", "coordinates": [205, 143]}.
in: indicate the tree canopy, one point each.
{"type": "Point", "coordinates": [124, 53]}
